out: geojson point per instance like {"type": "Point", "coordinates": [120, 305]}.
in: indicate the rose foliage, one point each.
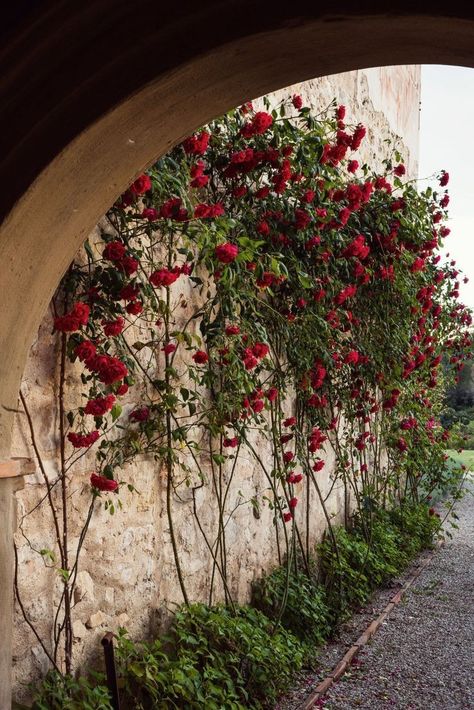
{"type": "Point", "coordinates": [257, 279]}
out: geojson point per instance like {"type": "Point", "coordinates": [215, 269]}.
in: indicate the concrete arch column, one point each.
{"type": "Point", "coordinates": [92, 93]}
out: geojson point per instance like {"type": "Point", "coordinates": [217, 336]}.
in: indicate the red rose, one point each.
{"type": "Point", "coordinates": [288, 456]}
{"type": "Point", "coordinates": [250, 361]}
{"type": "Point", "coordinates": [293, 502]}
{"type": "Point", "coordinates": [232, 330]}
{"type": "Point", "coordinates": [297, 477]}
{"type": "Point", "coordinates": [444, 179]}
{"type": "Point", "coordinates": [291, 421]}
{"type": "Point", "coordinates": [352, 357]}
{"type": "Point", "coordinates": [226, 253]}
{"type": "Point", "coordinates": [72, 321]}
{"type": "Point", "coordinates": [297, 101]}
{"type": "Point", "coordinates": [141, 414]}
{"type": "Point", "coordinates": [101, 483]}
{"type": "Point", "coordinates": [151, 214]}
{"type": "Point", "coordinates": [81, 311]}
{"type": "Point", "coordinates": [258, 125]}
{"type": "Point", "coordinates": [402, 444]}
{"type": "Point", "coordinates": [186, 269]}
{"type": "Point", "coordinates": [358, 136]}
{"type": "Point", "coordinates": [319, 465]}
{"type": "Point", "coordinates": [200, 357]}
{"type": "Point", "coordinates": [260, 350]}
{"type": "Point", "coordinates": [134, 308]}
{"type": "Point", "coordinates": [271, 394]}
{"type": "Point", "coordinates": [142, 184]}
{"type": "Point", "coordinates": [128, 265]}
{"type": "Point", "coordinates": [114, 251]}
{"type": "Point", "coordinates": [257, 406]}
{"type": "Point", "coordinates": [109, 369]}
{"type": "Point", "coordinates": [267, 279]}
{"type": "Point", "coordinates": [352, 166]}
{"type": "Point", "coordinates": [165, 277]}
{"type": "Point", "coordinates": [302, 219]}
{"type": "Point", "coordinates": [217, 210]}
{"type": "Point", "coordinates": [113, 327]}
{"type": "Point", "coordinates": [100, 405]}
{"type": "Point", "coordinates": [346, 293]}
{"type": "Point", "coordinates": [197, 144]}
{"type": "Point", "coordinates": [344, 215]}
{"type": "Point", "coordinates": [169, 348]}
{"type": "Point", "coordinates": [83, 440]}
{"type": "Point", "coordinates": [287, 517]}
{"type": "Point", "coordinates": [239, 191]}
{"type": "Point", "coordinates": [172, 209]}
{"type": "Point", "coordinates": [123, 389]}
{"type": "Point", "coordinates": [316, 439]}
{"type": "Point", "coordinates": [399, 170]}
{"type": "Point", "coordinates": [231, 443]}
{"type": "Point", "coordinates": [200, 181]}
{"type": "Point", "coordinates": [418, 265]}
{"type": "Point", "coordinates": [340, 112]}
{"type": "Point", "coordinates": [129, 293]}
{"type": "Point", "coordinates": [357, 247]}
{"type": "Point", "coordinates": [262, 192]}
{"type": "Point", "coordinates": [85, 350]}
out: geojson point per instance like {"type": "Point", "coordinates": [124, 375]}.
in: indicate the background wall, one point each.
{"type": "Point", "coordinates": [127, 575]}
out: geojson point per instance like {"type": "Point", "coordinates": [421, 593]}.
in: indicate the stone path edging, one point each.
{"type": "Point", "coordinates": [322, 688]}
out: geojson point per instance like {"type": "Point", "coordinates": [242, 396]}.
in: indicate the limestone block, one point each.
{"type": "Point", "coordinates": [96, 619]}
{"type": "Point", "coordinates": [78, 629]}
{"type": "Point", "coordinates": [123, 619]}
{"type": "Point", "coordinates": [109, 595]}
{"type": "Point", "coordinates": [84, 590]}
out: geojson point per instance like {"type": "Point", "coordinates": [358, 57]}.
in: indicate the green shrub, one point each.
{"type": "Point", "coordinates": [62, 692]}
{"type": "Point", "coordinates": [416, 527]}
{"type": "Point", "coordinates": [344, 570]}
{"type": "Point", "coordinates": [220, 659]}
{"type": "Point", "coordinates": [306, 613]}
{"type": "Point", "coordinates": [363, 561]}
{"type": "Point", "coordinates": [217, 659]}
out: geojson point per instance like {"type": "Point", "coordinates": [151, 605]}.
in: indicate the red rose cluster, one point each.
{"type": "Point", "coordinates": [226, 253]}
{"type": "Point", "coordinates": [100, 405]}
{"type": "Point", "coordinates": [260, 123]}
{"type": "Point", "coordinates": [254, 354]}
{"type": "Point", "coordinates": [116, 252]}
{"type": "Point", "coordinates": [83, 440]}
{"type": "Point", "coordinates": [101, 483]}
{"type": "Point", "coordinates": [74, 320]}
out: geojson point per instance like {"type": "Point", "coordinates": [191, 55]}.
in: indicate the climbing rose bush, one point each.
{"type": "Point", "coordinates": [321, 316]}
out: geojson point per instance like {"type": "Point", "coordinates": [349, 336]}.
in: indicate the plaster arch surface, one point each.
{"type": "Point", "coordinates": [93, 93]}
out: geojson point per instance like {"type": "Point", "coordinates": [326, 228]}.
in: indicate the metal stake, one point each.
{"type": "Point", "coordinates": [110, 670]}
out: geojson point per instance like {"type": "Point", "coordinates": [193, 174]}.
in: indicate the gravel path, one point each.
{"type": "Point", "coordinates": [422, 657]}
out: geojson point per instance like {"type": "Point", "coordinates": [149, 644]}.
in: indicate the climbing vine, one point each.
{"type": "Point", "coordinates": [257, 284]}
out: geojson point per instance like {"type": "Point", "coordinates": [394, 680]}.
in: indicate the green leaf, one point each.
{"type": "Point", "coordinates": [116, 411]}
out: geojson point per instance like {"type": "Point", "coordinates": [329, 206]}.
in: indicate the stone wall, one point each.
{"type": "Point", "coordinates": [127, 574]}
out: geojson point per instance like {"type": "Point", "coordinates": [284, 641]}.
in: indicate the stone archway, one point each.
{"type": "Point", "coordinates": [91, 95]}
